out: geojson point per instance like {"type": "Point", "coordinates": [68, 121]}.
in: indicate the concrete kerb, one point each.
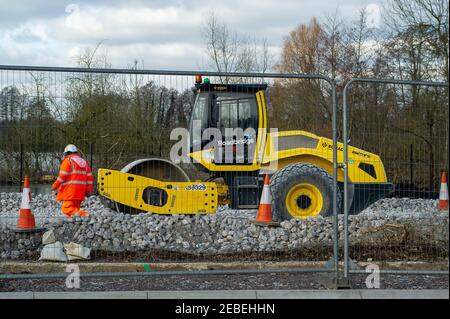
{"type": "Point", "coordinates": [90, 267]}
{"type": "Point", "coordinates": [23, 267]}
{"type": "Point", "coordinates": [353, 294]}
{"type": "Point", "coordinates": [203, 294]}
{"type": "Point", "coordinates": [405, 294]}
{"type": "Point", "coordinates": [92, 295]}
{"type": "Point", "coordinates": [237, 294]}
{"type": "Point", "coordinates": [17, 295]}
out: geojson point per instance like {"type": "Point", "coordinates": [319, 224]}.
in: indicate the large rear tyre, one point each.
{"type": "Point", "coordinates": [302, 190]}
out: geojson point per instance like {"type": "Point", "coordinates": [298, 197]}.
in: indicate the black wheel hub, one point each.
{"type": "Point", "coordinates": [303, 201]}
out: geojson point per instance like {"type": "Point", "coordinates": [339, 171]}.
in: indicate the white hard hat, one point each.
{"type": "Point", "coordinates": [70, 148]}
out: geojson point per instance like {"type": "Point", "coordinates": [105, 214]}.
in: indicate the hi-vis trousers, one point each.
{"type": "Point", "coordinates": [72, 207]}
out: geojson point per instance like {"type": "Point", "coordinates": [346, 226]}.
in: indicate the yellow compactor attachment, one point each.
{"type": "Point", "coordinates": [151, 195]}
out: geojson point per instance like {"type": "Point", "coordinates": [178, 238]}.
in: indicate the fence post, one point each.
{"type": "Point", "coordinates": [91, 151]}
{"type": "Point", "coordinates": [20, 167]}
{"type": "Point", "coordinates": [345, 138]}
{"type": "Point", "coordinates": [411, 171]}
{"type": "Point", "coordinates": [335, 185]}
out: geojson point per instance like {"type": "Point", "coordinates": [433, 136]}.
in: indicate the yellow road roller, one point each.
{"type": "Point", "coordinates": [233, 164]}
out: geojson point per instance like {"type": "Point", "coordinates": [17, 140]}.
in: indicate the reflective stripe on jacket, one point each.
{"type": "Point", "coordinates": [74, 180]}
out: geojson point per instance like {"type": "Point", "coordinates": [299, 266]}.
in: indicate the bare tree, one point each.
{"type": "Point", "coordinates": [360, 43]}
{"type": "Point", "coordinates": [227, 51]}
{"type": "Point", "coordinates": [302, 49]}
{"type": "Point", "coordinates": [428, 20]}
{"type": "Point", "coordinates": [300, 103]}
{"type": "Point", "coordinates": [221, 45]}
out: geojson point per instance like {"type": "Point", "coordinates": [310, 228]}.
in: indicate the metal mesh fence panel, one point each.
{"type": "Point", "coordinates": [147, 207]}
{"type": "Point", "coordinates": [406, 123]}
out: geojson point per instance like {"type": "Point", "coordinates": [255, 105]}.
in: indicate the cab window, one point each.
{"type": "Point", "coordinates": [236, 111]}
{"type": "Point", "coordinates": [199, 113]}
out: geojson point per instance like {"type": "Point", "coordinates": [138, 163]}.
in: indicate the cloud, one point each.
{"type": "Point", "coordinates": [165, 56]}
{"type": "Point", "coordinates": [163, 34]}
{"type": "Point", "coordinates": [125, 25]}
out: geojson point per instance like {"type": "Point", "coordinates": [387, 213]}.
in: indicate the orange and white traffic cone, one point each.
{"type": "Point", "coordinates": [26, 222]}
{"type": "Point", "coordinates": [443, 193]}
{"type": "Point", "coordinates": [264, 216]}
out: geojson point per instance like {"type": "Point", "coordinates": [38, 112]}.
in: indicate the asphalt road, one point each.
{"type": "Point", "coordinates": [221, 282]}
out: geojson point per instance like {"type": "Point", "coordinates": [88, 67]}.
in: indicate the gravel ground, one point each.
{"type": "Point", "coordinates": [405, 223]}
{"type": "Point", "coordinates": [46, 210]}
{"type": "Point", "coordinates": [217, 282]}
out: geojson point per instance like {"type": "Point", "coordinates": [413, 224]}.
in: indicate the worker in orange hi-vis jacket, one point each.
{"type": "Point", "coordinates": [74, 182]}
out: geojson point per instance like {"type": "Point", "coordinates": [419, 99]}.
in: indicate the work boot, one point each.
{"type": "Point", "coordinates": [84, 214]}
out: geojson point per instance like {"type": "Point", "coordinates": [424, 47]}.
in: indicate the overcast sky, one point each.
{"type": "Point", "coordinates": [163, 34]}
